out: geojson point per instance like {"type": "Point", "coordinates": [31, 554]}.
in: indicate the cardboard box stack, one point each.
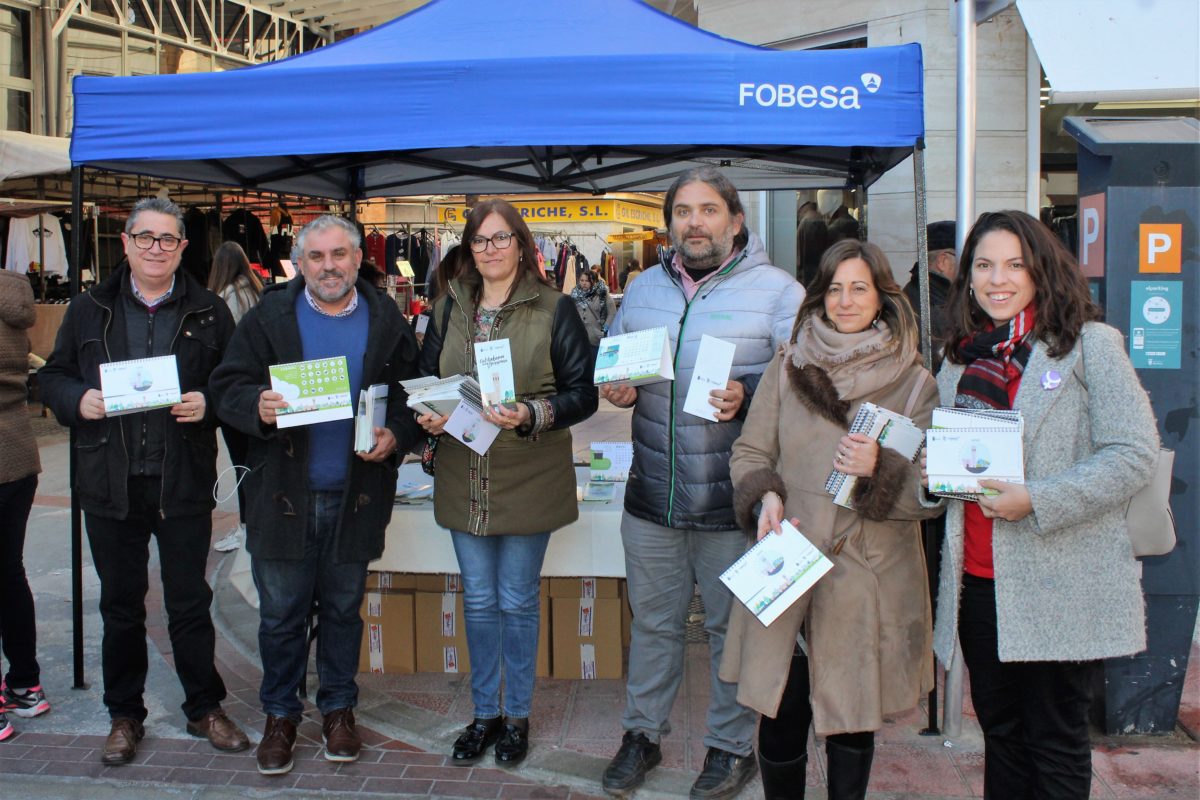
{"type": "Point", "coordinates": [586, 621]}
{"type": "Point", "coordinates": [387, 613]}
{"type": "Point", "coordinates": [441, 631]}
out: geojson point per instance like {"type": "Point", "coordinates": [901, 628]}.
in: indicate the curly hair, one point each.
{"type": "Point", "coordinates": [1061, 293]}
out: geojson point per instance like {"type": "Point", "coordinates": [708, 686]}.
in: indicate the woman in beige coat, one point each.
{"type": "Point", "coordinates": [867, 622]}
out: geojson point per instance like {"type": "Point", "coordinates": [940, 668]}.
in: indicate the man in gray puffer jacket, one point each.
{"type": "Point", "coordinates": [678, 528]}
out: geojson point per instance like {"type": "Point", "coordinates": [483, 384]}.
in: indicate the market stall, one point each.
{"type": "Point", "coordinates": [461, 97]}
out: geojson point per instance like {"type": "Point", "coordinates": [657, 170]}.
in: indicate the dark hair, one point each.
{"type": "Point", "coordinates": [812, 240]}
{"type": "Point", "coordinates": [846, 227]}
{"type": "Point", "coordinates": [896, 311]}
{"type": "Point", "coordinates": [447, 270]}
{"type": "Point", "coordinates": [721, 185]}
{"type": "Point", "coordinates": [228, 263]}
{"type": "Point", "coordinates": [633, 264]}
{"type": "Point", "coordinates": [159, 206]}
{"type": "Point", "coordinates": [468, 273]}
{"type": "Point", "coordinates": [1060, 290]}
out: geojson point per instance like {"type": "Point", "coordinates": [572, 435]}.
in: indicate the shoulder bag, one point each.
{"type": "Point", "coordinates": [1148, 513]}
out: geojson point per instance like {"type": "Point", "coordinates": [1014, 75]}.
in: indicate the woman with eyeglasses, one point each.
{"type": "Point", "coordinates": [502, 506]}
{"type": "Point", "coordinates": [1039, 579]}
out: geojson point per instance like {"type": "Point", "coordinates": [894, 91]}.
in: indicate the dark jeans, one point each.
{"type": "Point", "coordinates": [1033, 713]}
{"type": "Point", "coordinates": [18, 630]}
{"type": "Point", "coordinates": [238, 445]}
{"type": "Point", "coordinates": [286, 589]}
{"type": "Point", "coordinates": [121, 552]}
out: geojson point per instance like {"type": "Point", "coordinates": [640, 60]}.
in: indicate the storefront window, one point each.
{"type": "Point", "coordinates": [16, 110]}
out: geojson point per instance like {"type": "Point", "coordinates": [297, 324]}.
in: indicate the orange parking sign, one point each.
{"type": "Point", "coordinates": [1160, 248]}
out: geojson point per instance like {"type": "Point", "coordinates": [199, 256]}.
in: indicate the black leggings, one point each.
{"type": "Point", "coordinates": [785, 738]}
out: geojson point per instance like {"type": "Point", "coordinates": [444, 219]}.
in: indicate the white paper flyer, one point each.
{"type": "Point", "coordinates": [493, 361]}
{"type": "Point", "coordinates": [714, 362]}
{"type": "Point", "coordinates": [467, 424]}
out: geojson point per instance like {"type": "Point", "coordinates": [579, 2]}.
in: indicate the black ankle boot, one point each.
{"type": "Point", "coordinates": [849, 770]}
{"type": "Point", "coordinates": [783, 781]}
{"type": "Point", "coordinates": [475, 738]}
{"type": "Point", "coordinates": [514, 741]}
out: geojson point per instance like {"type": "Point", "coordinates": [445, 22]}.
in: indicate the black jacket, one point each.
{"type": "Point", "coordinates": [277, 493]}
{"type": "Point", "coordinates": [90, 336]}
{"type": "Point", "coordinates": [939, 293]}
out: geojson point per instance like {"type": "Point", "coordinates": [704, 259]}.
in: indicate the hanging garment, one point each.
{"type": "Point", "coordinates": [196, 258]}
{"type": "Point", "coordinates": [375, 249]}
{"type": "Point", "coordinates": [24, 235]}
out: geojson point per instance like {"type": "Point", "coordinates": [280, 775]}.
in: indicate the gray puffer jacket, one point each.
{"type": "Point", "coordinates": [680, 473]}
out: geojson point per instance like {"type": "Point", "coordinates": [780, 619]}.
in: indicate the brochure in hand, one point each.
{"type": "Point", "coordinates": [315, 391]}
{"type": "Point", "coordinates": [965, 445]}
{"type": "Point", "coordinates": [141, 384]}
{"type": "Point", "coordinates": [636, 358]}
{"type": "Point", "coordinates": [714, 362]}
{"type": "Point", "coordinates": [372, 414]}
{"type": "Point", "coordinates": [493, 362]}
{"type": "Point", "coordinates": [438, 396]}
{"type": "Point", "coordinates": [776, 572]}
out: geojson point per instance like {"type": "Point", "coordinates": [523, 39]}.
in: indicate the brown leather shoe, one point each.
{"type": "Point", "coordinates": [121, 745]}
{"type": "Point", "coordinates": [342, 742]}
{"type": "Point", "coordinates": [220, 731]}
{"type": "Point", "coordinates": [275, 749]}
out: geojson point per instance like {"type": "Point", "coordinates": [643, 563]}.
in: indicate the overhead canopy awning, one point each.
{"type": "Point", "coordinates": [1097, 51]}
{"type": "Point", "coordinates": [24, 155]}
{"type": "Point", "coordinates": [464, 97]}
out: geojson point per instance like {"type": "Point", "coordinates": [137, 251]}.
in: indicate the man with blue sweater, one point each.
{"type": "Point", "coordinates": [316, 510]}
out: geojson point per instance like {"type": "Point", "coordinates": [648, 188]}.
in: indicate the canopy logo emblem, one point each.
{"type": "Point", "coordinates": [871, 82]}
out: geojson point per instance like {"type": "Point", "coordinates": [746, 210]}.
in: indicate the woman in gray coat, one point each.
{"type": "Point", "coordinates": [1040, 578]}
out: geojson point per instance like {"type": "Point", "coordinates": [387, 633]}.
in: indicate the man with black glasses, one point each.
{"type": "Point", "coordinates": [147, 473]}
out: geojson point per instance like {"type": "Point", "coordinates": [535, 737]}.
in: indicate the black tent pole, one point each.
{"type": "Point", "coordinates": [76, 269]}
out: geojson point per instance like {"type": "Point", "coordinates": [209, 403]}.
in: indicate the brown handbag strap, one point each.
{"type": "Point", "coordinates": [915, 393]}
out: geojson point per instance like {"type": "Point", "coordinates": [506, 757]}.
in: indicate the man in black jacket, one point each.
{"type": "Point", "coordinates": [147, 473]}
{"type": "Point", "coordinates": [943, 266]}
{"type": "Point", "coordinates": [316, 511]}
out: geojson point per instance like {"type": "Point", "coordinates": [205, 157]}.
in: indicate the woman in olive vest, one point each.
{"type": "Point", "coordinates": [502, 506]}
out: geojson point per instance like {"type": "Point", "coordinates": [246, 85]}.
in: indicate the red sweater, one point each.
{"type": "Point", "coordinates": [977, 541]}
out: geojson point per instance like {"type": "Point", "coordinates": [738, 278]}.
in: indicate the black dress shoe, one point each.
{"type": "Point", "coordinates": [475, 738]}
{"type": "Point", "coordinates": [514, 743]}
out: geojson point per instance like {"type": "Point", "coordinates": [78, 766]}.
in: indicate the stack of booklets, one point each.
{"type": "Point", "coordinates": [459, 397]}
{"type": "Point", "coordinates": [776, 572]}
{"type": "Point", "coordinates": [440, 396]}
{"type": "Point", "coordinates": [964, 445]}
{"type": "Point", "coordinates": [889, 429]}
{"type": "Point", "coordinates": [372, 414]}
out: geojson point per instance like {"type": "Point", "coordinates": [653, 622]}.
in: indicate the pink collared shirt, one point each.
{"type": "Point", "coordinates": [690, 287]}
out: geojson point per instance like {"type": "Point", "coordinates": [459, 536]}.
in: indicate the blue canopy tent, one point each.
{"type": "Point", "coordinates": [463, 96]}
{"type": "Point", "coordinates": [479, 97]}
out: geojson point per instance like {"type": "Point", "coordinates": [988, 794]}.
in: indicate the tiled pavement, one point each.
{"type": "Point", "coordinates": [409, 721]}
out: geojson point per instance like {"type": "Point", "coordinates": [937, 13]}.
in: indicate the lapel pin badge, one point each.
{"type": "Point", "coordinates": [1051, 380]}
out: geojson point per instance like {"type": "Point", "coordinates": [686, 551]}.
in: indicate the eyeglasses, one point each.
{"type": "Point", "coordinates": [167, 243]}
{"type": "Point", "coordinates": [502, 241]}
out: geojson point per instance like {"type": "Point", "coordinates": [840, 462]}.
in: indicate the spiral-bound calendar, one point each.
{"type": "Point", "coordinates": [140, 384]}
{"type": "Point", "coordinates": [776, 572]}
{"type": "Point", "coordinates": [966, 445]}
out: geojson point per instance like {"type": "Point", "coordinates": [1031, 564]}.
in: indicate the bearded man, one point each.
{"type": "Point", "coordinates": [316, 510]}
{"type": "Point", "coordinates": [678, 526]}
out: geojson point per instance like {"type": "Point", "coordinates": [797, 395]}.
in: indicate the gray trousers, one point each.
{"type": "Point", "coordinates": [661, 567]}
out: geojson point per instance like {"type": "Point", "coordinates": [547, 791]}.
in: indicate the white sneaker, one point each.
{"type": "Point", "coordinates": [231, 541]}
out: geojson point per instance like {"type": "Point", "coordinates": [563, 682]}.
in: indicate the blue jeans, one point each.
{"type": "Point", "coordinates": [286, 589]}
{"type": "Point", "coordinates": [502, 609]}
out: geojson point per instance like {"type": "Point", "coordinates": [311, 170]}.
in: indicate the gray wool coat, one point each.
{"type": "Point", "coordinates": [1067, 585]}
